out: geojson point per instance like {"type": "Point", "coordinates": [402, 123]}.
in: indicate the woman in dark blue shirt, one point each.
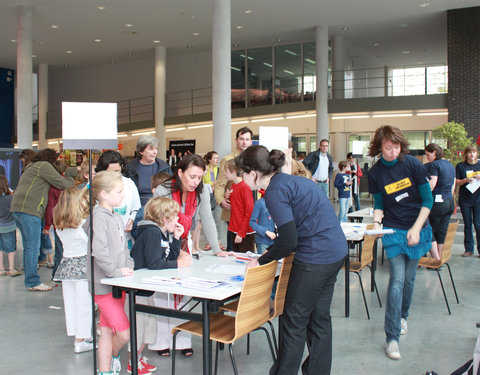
{"type": "Point", "coordinates": [403, 200]}
{"type": "Point", "coordinates": [307, 224]}
{"type": "Point", "coordinates": [442, 183]}
{"type": "Point", "coordinates": [467, 172]}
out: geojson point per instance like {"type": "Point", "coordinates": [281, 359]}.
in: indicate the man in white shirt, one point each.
{"type": "Point", "coordinates": [320, 164]}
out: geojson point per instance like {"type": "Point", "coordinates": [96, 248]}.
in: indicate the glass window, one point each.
{"type": "Point", "coordinates": [299, 144]}
{"type": "Point", "coordinates": [437, 79]}
{"type": "Point", "coordinates": [408, 81]}
{"type": "Point", "coordinates": [309, 78]}
{"type": "Point", "coordinates": [417, 140]}
{"type": "Point", "coordinates": [288, 73]}
{"type": "Point", "coordinates": [259, 69]}
{"type": "Point", "coordinates": [313, 143]}
{"type": "Point", "coordinates": [238, 79]}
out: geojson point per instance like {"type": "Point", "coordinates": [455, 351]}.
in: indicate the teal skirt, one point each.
{"type": "Point", "coordinates": [396, 243]}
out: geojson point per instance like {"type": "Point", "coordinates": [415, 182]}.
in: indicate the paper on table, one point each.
{"type": "Point", "coordinates": [373, 232]}
{"type": "Point", "coordinates": [474, 185]}
{"type": "Point", "coordinates": [232, 269]}
{"type": "Point", "coordinates": [191, 282]}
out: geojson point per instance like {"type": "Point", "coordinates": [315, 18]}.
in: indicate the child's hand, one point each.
{"type": "Point", "coordinates": [238, 239]}
{"type": "Point", "coordinates": [129, 225]}
{"type": "Point", "coordinates": [270, 235]}
{"type": "Point", "coordinates": [227, 193]}
{"type": "Point", "coordinates": [45, 231]}
{"type": "Point", "coordinates": [178, 231]}
{"type": "Point", "coordinates": [184, 259]}
{"type": "Point", "coordinates": [126, 271]}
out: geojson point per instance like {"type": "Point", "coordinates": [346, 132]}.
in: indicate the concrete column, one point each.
{"type": "Point", "coordinates": [24, 77]}
{"type": "Point", "coordinates": [338, 67]}
{"type": "Point", "coordinates": [42, 105]}
{"type": "Point", "coordinates": [160, 88]}
{"type": "Point", "coordinates": [221, 77]}
{"type": "Point", "coordinates": [321, 72]}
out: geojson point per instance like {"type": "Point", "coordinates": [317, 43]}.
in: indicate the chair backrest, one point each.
{"type": "Point", "coordinates": [282, 285]}
{"type": "Point", "coordinates": [448, 243]}
{"type": "Point", "coordinates": [253, 306]}
{"type": "Point", "coordinates": [367, 249]}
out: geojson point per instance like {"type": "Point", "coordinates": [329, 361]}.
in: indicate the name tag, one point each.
{"type": "Point", "coordinates": [401, 196]}
{"type": "Point", "coordinates": [438, 198]}
{"type": "Point", "coordinates": [471, 174]}
{"type": "Point", "coordinates": [397, 186]}
{"type": "Point", "coordinates": [164, 243]}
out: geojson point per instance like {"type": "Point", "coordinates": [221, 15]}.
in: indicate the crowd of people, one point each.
{"type": "Point", "coordinates": [148, 213]}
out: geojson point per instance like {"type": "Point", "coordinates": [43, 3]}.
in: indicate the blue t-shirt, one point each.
{"type": "Point", "coordinates": [399, 186]}
{"type": "Point", "coordinates": [145, 173]}
{"type": "Point", "coordinates": [342, 187]}
{"type": "Point", "coordinates": [261, 221]}
{"type": "Point", "coordinates": [320, 236]}
{"type": "Point", "coordinates": [464, 170]}
{"type": "Point", "coordinates": [445, 172]}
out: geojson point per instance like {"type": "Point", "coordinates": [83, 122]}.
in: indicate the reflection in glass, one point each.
{"type": "Point", "coordinates": [238, 79]}
{"type": "Point", "coordinates": [259, 73]}
{"type": "Point", "coordinates": [309, 78]}
{"type": "Point", "coordinates": [288, 73]}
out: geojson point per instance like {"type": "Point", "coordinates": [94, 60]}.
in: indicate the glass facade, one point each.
{"type": "Point", "coordinates": [258, 62]}
{"type": "Point", "coordinates": [288, 73]}
{"type": "Point", "coordinates": [238, 79]}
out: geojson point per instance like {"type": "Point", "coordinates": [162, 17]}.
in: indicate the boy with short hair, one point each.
{"type": "Point", "coordinates": [241, 201]}
{"type": "Point", "coordinates": [342, 183]}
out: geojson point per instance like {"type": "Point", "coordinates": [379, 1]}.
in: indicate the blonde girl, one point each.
{"type": "Point", "coordinates": [69, 218]}
{"type": "Point", "coordinates": [112, 259]}
{"type": "Point", "coordinates": [8, 240]}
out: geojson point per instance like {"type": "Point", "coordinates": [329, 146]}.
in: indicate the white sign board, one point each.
{"type": "Point", "coordinates": [89, 125]}
{"type": "Point", "coordinates": [273, 137]}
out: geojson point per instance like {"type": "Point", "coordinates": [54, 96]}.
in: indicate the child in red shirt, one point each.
{"type": "Point", "coordinates": [241, 201]}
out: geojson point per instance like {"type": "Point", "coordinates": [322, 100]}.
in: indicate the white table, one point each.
{"type": "Point", "coordinates": [209, 298]}
{"type": "Point", "coordinates": [365, 214]}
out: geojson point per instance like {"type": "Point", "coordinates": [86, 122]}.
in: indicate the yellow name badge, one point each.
{"type": "Point", "coordinates": [471, 174]}
{"type": "Point", "coordinates": [397, 186]}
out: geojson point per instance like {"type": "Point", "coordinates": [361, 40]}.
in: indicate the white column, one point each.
{"type": "Point", "coordinates": [24, 77]}
{"type": "Point", "coordinates": [221, 77]}
{"type": "Point", "coordinates": [160, 88]}
{"type": "Point", "coordinates": [42, 105]}
{"type": "Point", "coordinates": [338, 67]}
{"type": "Point", "coordinates": [321, 71]}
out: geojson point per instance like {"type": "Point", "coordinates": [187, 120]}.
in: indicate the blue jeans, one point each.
{"type": "Point", "coordinates": [471, 215]}
{"type": "Point", "coordinates": [400, 293]}
{"type": "Point", "coordinates": [31, 228]}
{"type": "Point", "coordinates": [261, 247]}
{"type": "Point", "coordinates": [324, 187]}
{"type": "Point", "coordinates": [342, 214]}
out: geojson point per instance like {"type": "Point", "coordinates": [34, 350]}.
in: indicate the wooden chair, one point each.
{"type": "Point", "coordinates": [365, 261]}
{"type": "Point", "coordinates": [435, 264]}
{"type": "Point", "coordinates": [252, 313]}
{"type": "Point", "coordinates": [276, 306]}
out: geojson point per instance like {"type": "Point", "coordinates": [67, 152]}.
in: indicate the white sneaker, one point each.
{"type": "Point", "coordinates": [392, 350]}
{"type": "Point", "coordinates": [83, 346]}
{"type": "Point", "coordinates": [404, 327]}
{"type": "Point", "coordinates": [116, 366]}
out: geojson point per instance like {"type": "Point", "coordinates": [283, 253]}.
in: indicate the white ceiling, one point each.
{"type": "Point", "coordinates": [173, 22]}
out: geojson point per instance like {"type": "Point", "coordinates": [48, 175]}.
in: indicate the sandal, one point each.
{"type": "Point", "coordinates": [207, 247]}
{"type": "Point", "coordinates": [3, 272]}
{"type": "Point", "coordinates": [187, 352]}
{"type": "Point", "coordinates": [40, 288]}
{"type": "Point", "coordinates": [14, 273]}
{"type": "Point", "coordinates": [164, 353]}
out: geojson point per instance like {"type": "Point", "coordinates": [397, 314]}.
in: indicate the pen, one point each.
{"type": "Point", "coordinates": [242, 258]}
{"type": "Point", "coordinates": [239, 261]}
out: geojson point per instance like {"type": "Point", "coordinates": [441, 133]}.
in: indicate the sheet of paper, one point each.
{"type": "Point", "coordinates": [373, 232]}
{"type": "Point", "coordinates": [232, 269]}
{"type": "Point", "coordinates": [473, 186]}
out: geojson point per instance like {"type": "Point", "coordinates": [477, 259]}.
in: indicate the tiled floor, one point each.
{"type": "Point", "coordinates": [33, 338]}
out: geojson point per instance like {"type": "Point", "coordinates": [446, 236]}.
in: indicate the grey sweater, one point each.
{"type": "Point", "coordinates": [203, 213]}
{"type": "Point", "coordinates": [109, 248]}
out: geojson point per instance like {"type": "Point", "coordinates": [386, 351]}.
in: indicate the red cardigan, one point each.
{"type": "Point", "coordinates": [241, 201]}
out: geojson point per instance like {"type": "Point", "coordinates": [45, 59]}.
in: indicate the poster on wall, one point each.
{"type": "Point", "coordinates": [89, 125]}
{"type": "Point", "coordinates": [178, 149]}
{"type": "Point", "coordinates": [273, 137]}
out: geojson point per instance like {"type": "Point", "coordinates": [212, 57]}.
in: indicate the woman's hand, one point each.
{"type": "Point", "coordinates": [224, 254]}
{"type": "Point", "coordinates": [129, 225]}
{"type": "Point", "coordinates": [252, 263]}
{"type": "Point", "coordinates": [184, 259]}
{"type": "Point", "coordinates": [270, 235]}
{"type": "Point", "coordinates": [126, 271]}
{"type": "Point", "coordinates": [413, 237]}
{"type": "Point", "coordinates": [178, 231]}
{"type": "Point", "coordinates": [238, 239]}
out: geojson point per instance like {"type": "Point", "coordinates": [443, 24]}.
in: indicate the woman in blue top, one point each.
{"type": "Point", "coordinates": [403, 199]}
{"type": "Point", "coordinates": [306, 224]}
{"type": "Point", "coordinates": [442, 183]}
{"type": "Point", "coordinates": [467, 172]}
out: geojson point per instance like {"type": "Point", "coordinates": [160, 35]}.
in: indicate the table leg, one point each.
{"type": "Point", "coordinates": [374, 266]}
{"type": "Point", "coordinates": [347, 285]}
{"type": "Point", "coordinates": [207, 343]}
{"type": "Point", "coordinates": [133, 331]}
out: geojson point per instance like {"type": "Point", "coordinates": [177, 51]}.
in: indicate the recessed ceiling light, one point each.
{"type": "Point", "coordinates": [424, 5]}
{"type": "Point", "coordinates": [405, 52]}
{"type": "Point", "coordinates": [278, 40]}
{"type": "Point", "coordinates": [156, 41]}
{"type": "Point", "coordinates": [235, 45]}
{"type": "Point", "coordinates": [13, 40]}
{"type": "Point", "coordinates": [34, 56]}
{"type": "Point", "coordinates": [189, 47]}
{"type": "Point", "coordinates": [346, 28]}
{"type": "Point", "coordinates": [112, 61]}
{"type": "Point", "coordinates": [97, 40]}
{"type": "Point", "coordinates": [54, 26]}
{"type": "Point", "coordinates": [403, 25]}
{"type": "Point", "coordinates": [69, 52]}
{"type": "Point", "coordinates": [239, 27]}
{"type": "Point", "coordinates": [130, 53]}
{"type": "Point", "coordinates": [195, 34]}
{"type": "Point", "coordinates": [128, 25]}
{"type": "Point", "coordinates": [193, 17]}
{"type": "Point", "coordinates": [101, 7]}
{"type": "Point", "coordinates": [376, 44]}
{"type": "Point", "coordinates": [248, 11]}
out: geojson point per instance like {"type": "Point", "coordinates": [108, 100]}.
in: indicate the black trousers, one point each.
{"type": "Point", "coordinates": [306, 319]}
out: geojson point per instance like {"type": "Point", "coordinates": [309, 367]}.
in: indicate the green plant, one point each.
{"type": "Point", "coordinates": [456, 136]}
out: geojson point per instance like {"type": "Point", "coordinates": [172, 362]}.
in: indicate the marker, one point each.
{"type": "Point", "coordinates": [239, 261]}
{"type": "Point", "coordinates": [242, 258]}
